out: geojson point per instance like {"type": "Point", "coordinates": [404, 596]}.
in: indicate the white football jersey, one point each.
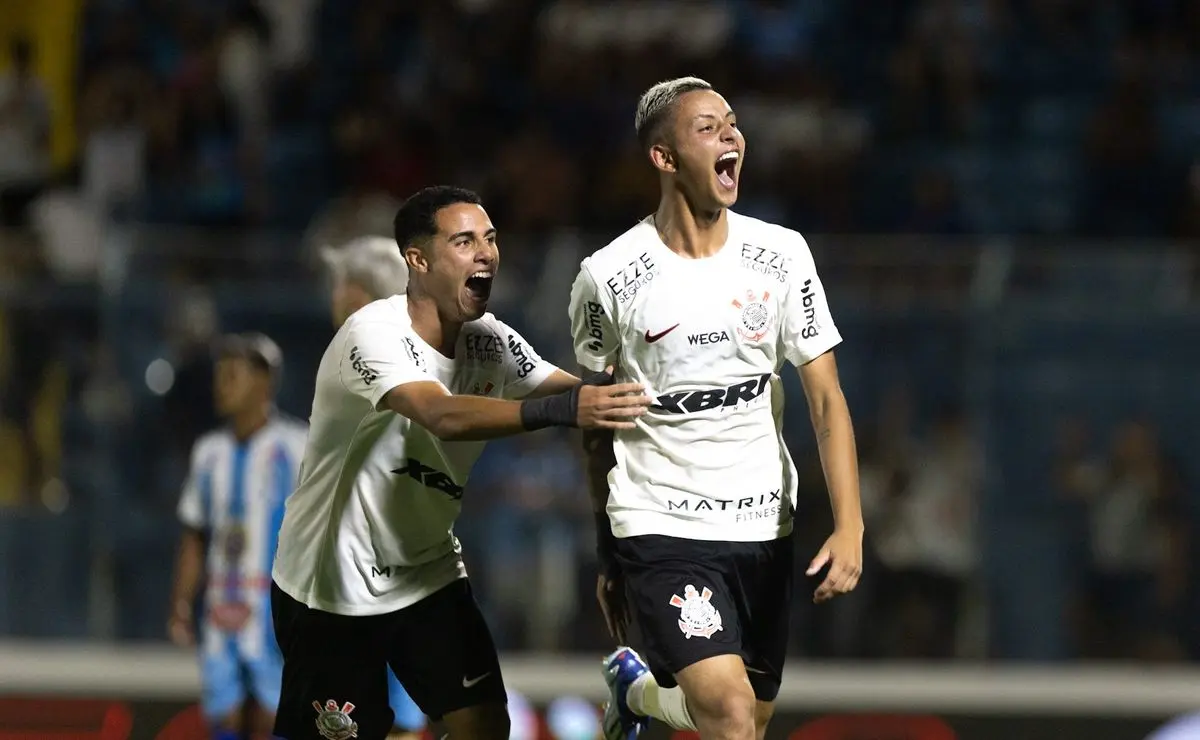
{"type": "Point", "coordinates": [369, 530]}
{"type": "Point", "coordinates": [707, 338]}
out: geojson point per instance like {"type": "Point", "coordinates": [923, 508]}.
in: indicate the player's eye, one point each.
{"type": "Point", "coordinates": [706, 129]}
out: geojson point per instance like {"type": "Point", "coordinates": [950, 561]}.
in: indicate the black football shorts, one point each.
{"type": "Point", "coordinates": [334, 666]}
{"type": "Point", "coordinates": [696, 599]}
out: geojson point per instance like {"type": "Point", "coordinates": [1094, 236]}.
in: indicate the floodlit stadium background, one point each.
{"type": "Point", "coordinates": [1003, 197]}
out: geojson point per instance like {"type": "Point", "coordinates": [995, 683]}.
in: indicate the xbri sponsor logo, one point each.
{"type": "Point", "coordinates": [809, 302]}
{"type": "Point", "coordinates": [765, 262]}
{"type": "Point", "coordinates": [360, 366]}
{"type": "Point", "coordinates": [431, 478]}
{"type": "Point", "coordinates": [632, 277]}
{"type": "Point", "coordinates": [595, 325]}
{"type": "Point", "coordinates": [520, 357]}
{"type": "Point", "coordinates": [484, 348]}
{"type": "Point", "coordinates": [689, 402]}
{"type": "Point", "coordinates": [712, 337]}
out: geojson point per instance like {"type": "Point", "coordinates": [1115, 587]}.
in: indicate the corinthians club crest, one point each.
{"type": "Point", "coordinates": [755, 315]}
{"type": "Point", "coordinates": [333, 722]}
{"type": "Point", "coordinates": [697, 616]}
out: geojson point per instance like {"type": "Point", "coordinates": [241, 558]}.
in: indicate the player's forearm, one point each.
{"type": "Point", "coordinates": [839, 457]}
{"type": "Point", "coordinates": [463, 418]}
{"type": "Point", "coordinates": [189, 567]}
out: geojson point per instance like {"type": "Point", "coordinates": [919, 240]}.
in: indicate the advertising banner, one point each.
{"type": "Point", "coordinates": [81, 718]}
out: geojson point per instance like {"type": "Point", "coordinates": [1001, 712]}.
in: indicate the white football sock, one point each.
{"type": "Point", "coordinates": [646, 698]}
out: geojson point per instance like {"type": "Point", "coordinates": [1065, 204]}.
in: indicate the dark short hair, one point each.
{"type": "Point", "coordinates": [417, 218]}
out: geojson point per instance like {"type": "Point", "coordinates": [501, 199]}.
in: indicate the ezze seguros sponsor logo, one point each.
{"type": "Point", "coordinates": [765, 262]}
{"type": "Point", "coordinates": [689, 402]}
{"type": "Point", "coordinates": [632, 277]}
{"type": "Point", "coordinates": [484, 347]}
{"type": "Point", "coordinates": [808, 302]}
{"type": "Point", "coordinates": [360, 366]}
{"type": "Point", "coordinates": [594, 314]}
{"type": "Point", "coordinates": [520, 357]}
{"type": "Point", "coordinates": [430, 478]}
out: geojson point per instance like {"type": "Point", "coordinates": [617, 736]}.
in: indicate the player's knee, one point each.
{"type": "Point", "coordinates": [719, 698]}
{"type": "Point", "coordinates": [763, 712]}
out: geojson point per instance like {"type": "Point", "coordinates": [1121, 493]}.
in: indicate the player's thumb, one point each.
{"type": "Point", "coordinates": [818, 562]}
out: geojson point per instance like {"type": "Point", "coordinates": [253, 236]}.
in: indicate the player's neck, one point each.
{"type": "Point", "coordinates": [688, 232]}
{"type": "Point", "coordinates": [431, 327]}
{"type": "Point", "coordinates": [247, 424]}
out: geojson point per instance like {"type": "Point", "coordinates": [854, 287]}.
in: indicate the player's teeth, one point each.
{"type": "Point", "coordinates": [728, 156]}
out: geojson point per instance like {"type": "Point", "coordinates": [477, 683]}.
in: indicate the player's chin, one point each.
{"type": "Point", "coordinates": [725, 191]}
{"type": "Point", "coordinates": [473, 304]}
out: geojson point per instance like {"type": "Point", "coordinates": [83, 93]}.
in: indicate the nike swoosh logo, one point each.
{"type": "Point", "coordinates": [652, 338]}
{"type": "Point", "coordinates": [469, 682]}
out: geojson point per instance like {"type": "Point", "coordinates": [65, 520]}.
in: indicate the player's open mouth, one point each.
{"type": "Point", "coordinates": [727, 170]}
{"type": "Point", "coordinates": [479, 285]}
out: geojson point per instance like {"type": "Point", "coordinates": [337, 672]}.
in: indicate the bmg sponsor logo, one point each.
{"type": "Point", "coordinates": [361, 367]}
{"type": "Point", "coordinates": [594, 314]}
{"type": "Point", "coordinates": [808, 302]}
{"type": "Point", "coordinates": [520, 357]}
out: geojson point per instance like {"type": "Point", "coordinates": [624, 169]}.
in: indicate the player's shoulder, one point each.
{"type": "Point", "coordinates": [618, 253]}
{"type": "Point", "coordinates": [486, 325]}
{"type": "Point", "coordinates": [390, 312]}
{"type": "Point", "coordinates": [289, 426]}
{"type": "Point", "coordinates": [211, 442]}
{"type": "Point", "coordinates": [787, 241]}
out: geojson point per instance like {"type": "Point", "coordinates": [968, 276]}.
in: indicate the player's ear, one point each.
{"type": "Point", "coordinates": [662, 158]}
{"type": "Point", "coordinates": [416, 258]}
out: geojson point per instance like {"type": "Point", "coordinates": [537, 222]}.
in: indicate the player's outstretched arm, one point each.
{"type": "Point", "coordinates": [587, 404]}
{"type": "Point", "coordinates": [839, 460]}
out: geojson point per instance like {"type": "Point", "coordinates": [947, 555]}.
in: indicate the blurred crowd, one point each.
{"type": "Point", "coordinates": [214, 147]}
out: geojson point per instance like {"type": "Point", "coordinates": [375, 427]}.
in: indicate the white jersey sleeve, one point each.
{"type": "Point", "coordinates": [807, 328]}
{"type": "Point", "coordinates": [374, 360]}
{"type": "Point", "coordinates": [592, 331]}
{"type": "Point", "coordinates": [193, 504]}
{"type": "Point", "coordinates": [524, 368]}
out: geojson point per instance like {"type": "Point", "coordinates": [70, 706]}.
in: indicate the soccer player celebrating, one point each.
{"type": "Point", "coordinates": [368, 571]}
{"type": "Point", "coordinates": [232, 503]}
{"type": "Point", "coordinates": [694, 506]}
{"type": "Point", "coordinates": [365, 270]}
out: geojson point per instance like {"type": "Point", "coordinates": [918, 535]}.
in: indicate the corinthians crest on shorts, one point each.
{"type": "Point", "coordinates": [333, 722]}
{"type": "Point", "coordinates": [697, 616]}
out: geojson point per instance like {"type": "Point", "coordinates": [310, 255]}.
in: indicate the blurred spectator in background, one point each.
{"type": "Point", "coordinates": [1138, 566]}
{"type": "Point", "coordinates": [363, 270]}
{"type": "Point", "coordinates": [24, 133]}
{"type": "Point", "coordinates": [927, 538]}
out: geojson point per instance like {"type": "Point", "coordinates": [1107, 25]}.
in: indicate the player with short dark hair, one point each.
{"type": "Point", "coordinates": [238, 479]}
{"type": "Point", "coordinates": [694, 507]}
{"type": "Point", "coordinates": [369, 572]}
